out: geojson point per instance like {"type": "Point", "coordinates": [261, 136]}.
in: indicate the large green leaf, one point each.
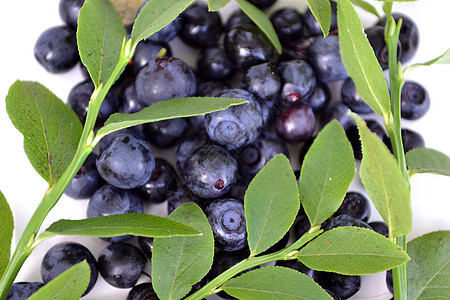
{"type": "Point", "coordinates": [99, 36]}
{"type": "Point", "coordinates": [423, 160]}
{"type": "Point", "coordinates": [321, 9]}
{"type": "Point", "coordinates": [429, 269]}
{"type": "Point", "coordinates": [352, 251]}
{"type": "Point", "coordinates": [6, 232]}
{"type": "Point", "coordinates": [180, 262]}
{"type": "Point", "coordinates": [262, 21]}
{"type": "Point", "coordinates": [360, 61]}
{"type": "Point", "coordinates": [155, 15]}
{"type": "Point", "coordinates": [122, 224]}
{"type": "Point", "coordinates": [214, 5]}
{"type": "Point", "coordinates": [384, 182]}
{"type": "Point", "coordinates": [70, 285]}
{"type": "Point", "coordinates": [274, 283]}
{"type": "Point", "coordinates": [51, 130]}
{"type": "Point", "coordinates": [271, 204]}
{"type": "Point", "coordinates": [174, 108]}
{"type": "Point", "coordinates": [327, 171]}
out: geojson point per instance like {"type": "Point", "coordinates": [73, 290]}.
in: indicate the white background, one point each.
{"type": "Point", "coordinates": [21, 22]}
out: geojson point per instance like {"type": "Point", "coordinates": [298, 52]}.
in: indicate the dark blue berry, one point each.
{"type": "Point", "coordinates": [298, 80]}
{"type": "Point", "coordinates": [121, 264]}
{"type": "Point", "coordinates": [390, 281]}
{"type": "Point", "coordinates": [236, 18]}
{"type": "Point", "coordinates": [211, 88]}
{"type": "Point", "coordinates": [337, 111]}
{"type": "Point", "coordinates": [143, 291]}
{"type": "Point", "coordinates": [355, 205]}
{"type": "Point", "coordinates": [213, 64]}
{"type": "Point", "coordinates": [23, 290]}
{"type": "Point", "coordinates": [304, 149]}
{"type": "Point", "coordinates": [351, 98]}
{"type": "Point", "coordinates": [86, 181]}
{"type": "Point", "coordinates": [319, 98]}
{"type": "Point", "coordinates": [353, 136]}
{"type": "Point", "coordinates": [333, 295]}
{"type": "Point", "coordinates": [129, 102]}
{"type": "Point", "coordinates": [288, 24]}
{"type": "Point", "coordinates": [415, 100]}
{"type": "Point", "coordinates": [344, 286]}
{"type": "Point", "coordinates": [69, 10]}
{"type": "Point", "coordinates": [295, 123]}
{"type": "Point", "coordinates": [165, 133]}
{"type": "Point", "coordinates": [167, 33]}
{"type": "Point", "coordinates": [188, 144]}
{"type": "Point", "coordinates": [380, 227]}
{"type": "Point", "coordinates": [295, 264]}
{"type": "Point", "coordinates": [106, 141]}
{"type": "Point", "coordinates": [62, 257]}
{"type": "Point", "coordinates": [263, 81]}
{"type": "Point", "coordinates": [180, 196]}
{"type": "Point", "coordinates": [146, 245]}
{"type": "Point", "coordinates": [263, 4]}
{"type": "Point", "coordinates": [345, 220]}
{"type": "Point", "coordinates": [313, 25]}
{"type": "Point", "coordinates": [301, 226]}
{"type": "Point", "coordinates": [147, 52]}
{"type": "Point", "coordinates": [375, 35]}
{"type": "Point", "coordinates": [411, 140]}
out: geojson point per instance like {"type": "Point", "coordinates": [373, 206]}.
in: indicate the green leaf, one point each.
{"type": "Point", "coordinates": [360, 61]}
{"type": "Point", "coordinates": [180, 262]}
{"type": "Point", "coordinates": [127, 9]}
{"type": "Point", "coordinates": [262, 21]}
{"type": "Point", "coordinates": [428, 274]}
{"type": "Point", "coordinates": [384, 182]}
{"type": "Point", "coordinates": [441, 59]}
{"type": "Point", "coordinates": [271, 204]}
{"type": "Point", "coordinates": [274, 283]}
{"type": "Point", "coordinates": [155, 15]}
{"type": "Point", "coordinates": [173, 108]}
{"type": "Point", "coordinates": [387, 8]}
{"type": "Point", "coordinates": [327, 171]}
{"type": "Point", "coordinates": [100, 35]}
{"type": "Point", "coordinates": [215, 5]}
{"type": "Point", "coordinates": [352, 251]}
{"type": "Point", "coordinates": [70, 285]}
{"type": "Point", "coordinates": [423, 160]}
{"type": "Point", "coordinates": [6, 232]}
{"type": "Point", "coordinates": [321, 9]}
{"type": "Point", "coordinates": [122, 224]}
{"type": "Point", "coordinates": [51, 130]}
{"type": "Point", "coordinates": [367, 7]}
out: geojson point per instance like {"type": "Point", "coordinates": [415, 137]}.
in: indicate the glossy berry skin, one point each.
{"type": "Point", "coordinates": [390, 281]}
{"type": "Point", "coordinates": [180, 196]}
{"type": "Point", "coordinates": [263, 81]}
{"type": "Point", "coordinates": [63, 256]}
{"type": "Point", "coordinates": [188, 144]}
{"type": "Point", "coordinates": [353, 136]}
{"type": "Point", "coordinates": [351, 98]}
{"type": "Point", "coordinates": [121, 264]}
{"type": "Point", "coordinates": [165, 78]}
{"type": "Point", "coordinates": [86, 181]}
{"type": "Point", "coordinates": [143, 291]}
{"type": "Point", "coordinates": [210, 171]}
{"type": "Point", "coordinates": [380, 227]}
{"type": "Point", "coordinates": [355, 205]}
{"type": "Point", "coordinates": [146, 52]}
{"type": "Point", "coordinates": [109, 200]}
{"type": "Point", "coordinates": [128, 101]}
{"type": "Point", "coordinates": [411, 140]}
{"type": "Point", "coordinates": [337, 111]}
{"type": "Point", "coordinates": [288, 24]}
{"type": "Point", "coordinates": [295, 264]}
{"type": "Point", "coordinates": [236, 18]}
{"type": "Point", "coordinates": [163, 180]}
{"type": "Point", "coordinates": [325, 56]}
{"type": "Point", "coordinates": [56, 49]}
{"type": "Point", "coordinates": [167, 33]}
{"type": "Point", "coordinates": [246, 46]}
{"type": "Point", "coordinates": [237, 126]}
{"type": "Point", "coordinates": [107, 140]}
{"type": "Point", "coordinates": [263, 4]}
{"type": "Point", "coordinates": [313, 26]}
{"type": "Point", "coordinates": [211, 88]}
{"type": "Point", "coordinates": [165, 133]}
{"type": "Point", "coordinates": [213, 64]}
{"type": "Point", "coordinates": [23, 290]}
{"type": "Point", "coordinates": [375, 35]}
{"type": "Point", "coordinates": [415, 100]}
{"type": "Point", "coordinates": [344, 286]}
{"type": "Point", "coordinates": [345, 220]}
{"type": "Point", "coordinates": [200, 28]}
{"type": "Point", "coordinates": [298, 80]}
{"type": "Point", "coordinates": [69, 10]}
{"type": "Point", "coordinates": [319, 98]}
{"type": "Point", "coordinates": [295, 123]}
{"type": "Point", "coordinates": [228, 224]}
{"type": "Point", "coordinates": [146, 245]}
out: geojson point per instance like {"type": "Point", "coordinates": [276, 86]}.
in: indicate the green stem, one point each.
{"type": "Point", "coordinates": [288, 253]}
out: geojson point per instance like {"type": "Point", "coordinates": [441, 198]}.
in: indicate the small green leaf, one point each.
{"type": "Point", "coordinates": [441, 59]}
{"type": "Point", "coordinates": [321, 9]}
{"type": "Point", "coordinates": [387, 8]}
{"type": "Point", "coordinates": [274, 283]}
{"type": "Point", "coordinates": [180, 262]}
{"type": "Point", "coordinates": [155, 15]}
{"type": "Point", "coordinates": [6, 232]}
{"type": "Point", "coordinates": [271, 204]}
{"type": "Point", "coordinates": [100, 35]}
{"type": "Point", "coordinates": [174, 108]}
{"type": "Point", "coordinates": [122, 224]}
{"type": "Point", "coordinates": [262, 21]}
{"type": "Point", "coordinates": [127, 9]}
{"type": "Point", "coordinates": [70, 285]}
{"type": "Point", "coordinates": [215, 5]}
{"type": "Point", "coordinates": [51, 130]}
{"type": "Point", "coordinates": [423, 160]}
{"type": "Point", "coordinates": [384, 182]}
{"type": "Point", "coordinates": [352, 251]}
{"type": "Point", "coordinates": [360, 61]}
{"type": "Point", "coordinates": [367, 7]}
{"type": "Point", "coordinates": [428, 274]}
{"type": "Point", "coordinates": [327, 171]}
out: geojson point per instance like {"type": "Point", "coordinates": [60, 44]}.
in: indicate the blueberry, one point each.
{"type": "Point", "coordinates": [380, 227]}
{"type": "Point", "coordinates": [210, 171]}
{"type": "Point", "coordinates": [353, 136]}
{"type": "Point", "coordinates": [288, 24]}
{"type": "Point", "coordinates": [333, 295]}
{"type": "Point", "coordinates": [345, 220]}
{"type": "Point", "coordinates": [69, 10]}
{"type": "Point", "coordinates": [213, 64]}
{"type": "Point", "coordinates": [56, 49]}
{"type": "Point", "coordinates": [298, 80]}
{"type": "Point", "coordinates": [86, 181]}
{"type": "Point", "coordinates": [106, 141]}
{"type": "Point", "coordinates": [146, 52]}
{"type": "Point", "coordinates": [23, 290]}
{"type": "Point", "coordinates": [236, 18]}
{"type": "Point", "coordinates": [167, 33]}
{"type": "Point", "coordinates": [246, 46]}
{"type": "Point", "coordinates": [351, 98]}
{"type": "Point", "coordinates": [129, 102]}
{"type": "Point", "coordinates": [121, 264]}
{"type": "Point", "coordinates": [301, 226]}
{"type": "Point", "coordinates": [313, 25]}
{"type": "Point", "coordinates": [415, 100]}
{"type": "Point", "coordinates": [162, 181]}
{"type": "Point", "coordinates": [62, 257]}
{"type": "Point", "coordinates": [146, 245]}
{"type": "Point", "coordinates": [127, 163]}
{"type": "Point", "coordinates": [165, 133]}
{"type": "Point", "coordinates": [411, 140]}
{"type": "Point", "coordinates": [390, 281]}
{"type": "Point", "coordinates": [355, 205]}
{"type": "Point", "coordinates": [263, 4]}
{"type": "Point", "coordinates": [180, 196]}
{"type": "Point", "coordinates": [296, 123]}
{"type": "Point", "coordinates": [165, 78]}
{"type": "Point", "coordinates": [298, 49]}
{"type": "Point", "coordinates": [295, 264]}
{"type": "Point", "coordinates": [319, 98]}
{"type": "Point", "coordinates": [263, 81]}
{"type": "Point", "coordinates": [201, 28]}
{"type": "Point", "coordinates": [375, 35]}
{"type": "Point", "coordinates": [237, 126]}
{"type": "Point", "coordinates": [304, 149]}
{"type": "Point", "coordinates": [337, 111]}
{"type": "Point", "coordinates": [143, 291]}
{"type": "Point", "coordinates": [109, 200]}
{"type": "Point", "coordinates": [344, 286]}
{"type": "Point", "coordinates": [188, 144]}
{"type": "Point", "coordinates": [211, 88]}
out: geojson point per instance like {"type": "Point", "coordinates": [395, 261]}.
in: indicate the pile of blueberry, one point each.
{"type": "Point", "coordinates": [217, 154]}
